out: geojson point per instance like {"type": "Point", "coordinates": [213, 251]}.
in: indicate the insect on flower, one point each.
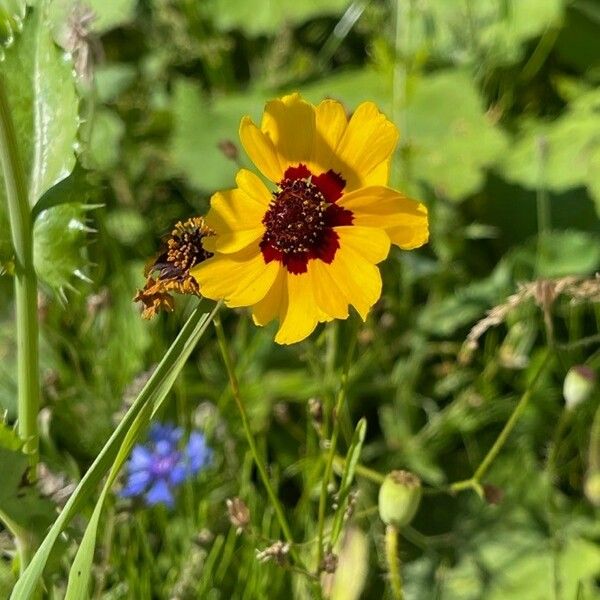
{"type": "Point", "coordinates": [305, 252]}
{"type": "Point", "coordinates": [157, 468]}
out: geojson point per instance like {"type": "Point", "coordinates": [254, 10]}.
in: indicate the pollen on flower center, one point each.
{"type": "Point", "coordinates": [300, 220]}
{"type": "Point", "coordinates": [295, 219]}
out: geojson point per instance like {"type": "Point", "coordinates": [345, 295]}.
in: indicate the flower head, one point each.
{"type": "Point", "coordinates": [307, 251]}
{"type": "Point", "coordinates": [157, 468]}
{"type": "Point", "coordinates": [170, 271]}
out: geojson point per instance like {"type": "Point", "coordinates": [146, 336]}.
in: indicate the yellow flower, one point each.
{"type": "Point", "coordinates": [305, 252]}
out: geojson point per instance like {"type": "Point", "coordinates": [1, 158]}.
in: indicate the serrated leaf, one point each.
{"type": "Point", "coordinates": [75, 189]}
{"type": "Point", "coordinates": [452, 141]}
{"type": "Point", "coordinates": [59, 235]}
{"type": "Point", "coordinates": [43, 103]}
{"type": "Point", "coordinates": [12, 13]}
{"type": "Point", "coordinates": [154, 391]}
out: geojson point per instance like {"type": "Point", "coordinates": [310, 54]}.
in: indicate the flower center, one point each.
{"type": "Point", "coordinates": [295, 219]}
{"type": "Point", "coordinates": [300, 219]}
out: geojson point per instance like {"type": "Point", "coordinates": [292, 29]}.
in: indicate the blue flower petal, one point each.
{"type": "Point", "coordinates": [136, 484]}
{"type": "Point", "coordinates": [160, 493]}
{"type": "Point", "coordinates": [168, 433]}
{"type": "Point", "coordinates": [141, 459]}
{"type": "Point", "coordinates": [178, 474]}
{"type": "Point", "coordinates": [198, 453]}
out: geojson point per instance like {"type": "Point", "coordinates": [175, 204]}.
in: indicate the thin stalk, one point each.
{"type": "Point", "coordinates": [475, 481]}
{"type": "Point", "coordinates": [393, 561]}
{"type": "Point", "coordinates": [25, 284]}
{"type": "Point", "coordinates": [337, 419]}
{"type": "Point", "coordinates": [235, 390]}
{"type": "Point", "coordinates": [25, 298]}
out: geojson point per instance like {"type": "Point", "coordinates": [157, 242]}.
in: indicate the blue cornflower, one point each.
{"type": "Point", "coordinates": [158, 467]}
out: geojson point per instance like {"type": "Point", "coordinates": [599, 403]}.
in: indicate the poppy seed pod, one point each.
{"type": "Point", "coordinates": [578, 385]}
{"type": "Point", "coordinates": [399, 498]}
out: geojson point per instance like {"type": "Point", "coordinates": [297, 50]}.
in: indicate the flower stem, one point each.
{"type": "Point", "coordinates": [25, 296]}
{"type": "Point", "coordinates": [235, 390]}
{"type": "Point", "coordinates": [393, 561]}
{"type": "Point", "coordinates": [475, 481]}
{"type": "Point", "coordinates": [337, 419]}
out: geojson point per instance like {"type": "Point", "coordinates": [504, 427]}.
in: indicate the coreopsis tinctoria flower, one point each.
{"type": "Point", "coordinates": [306, 251]}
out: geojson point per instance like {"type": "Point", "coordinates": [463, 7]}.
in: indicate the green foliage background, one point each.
{"type": "Point", "coordinates": [499, 110]}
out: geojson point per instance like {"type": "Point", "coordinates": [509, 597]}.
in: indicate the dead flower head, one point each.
{"type": "Point", "coordinates": [170, 272]}
{"type": "Point", "coordinates": [277, 552]}
{"type": "Point", "coordinates": [239, 513]}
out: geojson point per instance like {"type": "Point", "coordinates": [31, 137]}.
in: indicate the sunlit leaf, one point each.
{"type": "Point", "coordinates": [561, 154]}
{"type": "Point", "coordinates": [257, 17]}
{"type": "Point", "coordinates": [452, 140]}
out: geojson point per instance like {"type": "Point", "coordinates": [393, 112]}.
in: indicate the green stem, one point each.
{"type": "Point", "coordinates": [337, 419]}
{"type": "Point", "coordinates": [235, 390]}
{"type": "Point", "coordinates": [475, 481]}
{"type": "Point", "coordinates": [393, 561]}
{"type": "Point", "coordinates": [25, 294]}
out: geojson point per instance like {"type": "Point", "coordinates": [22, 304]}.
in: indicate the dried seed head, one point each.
{"type": "Point", "coordinates": [277, 552]}
{"type": "Point", "coordinates": [239, 513]}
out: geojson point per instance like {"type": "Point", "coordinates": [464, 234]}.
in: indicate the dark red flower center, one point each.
{"type": "Point", "coordinates": [301, 217]}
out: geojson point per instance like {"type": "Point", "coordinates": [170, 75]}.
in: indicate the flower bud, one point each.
{"type": "Point", "coordinates": [399, 498]}
{"type": "Point", "coordinates": [579, 384]}
{"type": "Point", "coordinates": [591, 488]}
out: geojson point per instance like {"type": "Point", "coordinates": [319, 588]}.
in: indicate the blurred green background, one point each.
{"type": "Point", "coordinates": [499, 111]}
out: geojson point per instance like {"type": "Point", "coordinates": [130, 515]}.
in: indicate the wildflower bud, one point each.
{"type": "Point", "coordinates": [315, 410]}
{"type": "Point", "coordinates": [579, 384]}
{"type": "Point", "coordinates": [239, 513]}
{"type": "Point", "coordinates": [229, 149]}
{"type": "Point", "coordinates": [493, 494]}
{"type": "Point", "coordinates": [399, 498]}
{"type": "Point", "coordinates": [591, 488]}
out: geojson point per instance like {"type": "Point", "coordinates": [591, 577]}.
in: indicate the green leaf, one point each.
{"type": "Point", "coordinates": [42, 98]}
{"type": "Point", "coordinates": [199, 126]}
{"type": "Point", "coordinates": [352, 458]}
{"type": "Point", "coordinates": [105, 143]}
{"type": "Point", "coordinates": [75, 189]}
{"type": "Point", "coordinates": [12, 13]}
{"type": "Point", "coordinates": [153, 392]}
{"type": "Point", "coordinates": [59, 235]}
{"type": "Point", "coordinates": [257, 17]}
{"type": "Point", "coordinates": [452, 140]}
{"type": "Point", "coordinates": [559, 155]}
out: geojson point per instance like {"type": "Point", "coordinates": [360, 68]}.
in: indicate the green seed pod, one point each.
{"type": "Point", "coordinates": [399, 498]}
{"type": "Point", "coordinates": [578, 385]}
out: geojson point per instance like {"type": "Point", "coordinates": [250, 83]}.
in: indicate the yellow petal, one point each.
{"type": "Point", "coordinates": [254, 188]}
{"type": "Point", "coordinates": [228, 243]}
{"type": "Point", "coordinates": [373, 244]}
{"type": "Point", "coordinates": [358, 279]}
{"type": "Point", "coordinates": [301, 314]}
{"type": "Point", "coordinates": [369, 141]}
{"type": "Point", "coordinates": [290, 124]}
{"type": "Point", "coordinates": [404, 220]}
{"type": "Point", "coordinates": [275, 301]}
{"type": "Point", "coordinates": [328, 296]}
{"type": "Point", "coordinates": [241, 279]}
{"type": "Point", "coordinates": [261, 150]}
{"type": "Point", "coordinates": [330, 124]}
